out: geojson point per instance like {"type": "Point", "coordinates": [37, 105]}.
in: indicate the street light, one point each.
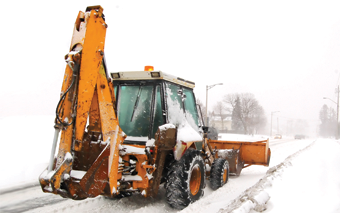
{"type": "Point", "coordinates": [271, 122]}
{"type": "Point", "coordinates": [337, 114]}
{"type": "Point", "coordinates": [206, 101]}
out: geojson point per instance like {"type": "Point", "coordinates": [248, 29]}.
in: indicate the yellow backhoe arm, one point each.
{"type": "Point", "coordinates": [86, 98]}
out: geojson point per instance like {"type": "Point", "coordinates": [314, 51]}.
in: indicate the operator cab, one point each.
{"type": "Point", "coordinates": [148, 99]}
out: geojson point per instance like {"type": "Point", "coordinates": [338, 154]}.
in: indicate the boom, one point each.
{"type": "Point", "coordinates": [86, 96]}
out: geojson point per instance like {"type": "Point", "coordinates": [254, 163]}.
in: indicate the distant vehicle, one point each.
{"type": "Point", "coordinates": [299, 137]}
{"type": "Point", "coordinates": [278, 136]}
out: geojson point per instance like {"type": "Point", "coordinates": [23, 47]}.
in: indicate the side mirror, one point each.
{"type": "Point", "coordinates": [205, 129]}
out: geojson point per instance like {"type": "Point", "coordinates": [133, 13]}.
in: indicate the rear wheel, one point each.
{"type": "Point", "coordinates": [219, 173]}
{"type": "Point", "coordinates": [186, 180]}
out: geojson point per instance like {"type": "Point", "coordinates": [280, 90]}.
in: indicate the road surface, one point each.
{"type": "Point", "coordinates": [31, 199]}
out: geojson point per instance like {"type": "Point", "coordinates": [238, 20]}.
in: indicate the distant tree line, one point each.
{"type": "Point", "coordinates": [247, 115]}
{"type": "Point", "coordinates": [328, 118]}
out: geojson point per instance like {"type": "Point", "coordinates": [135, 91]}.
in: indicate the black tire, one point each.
{"type": "Point", "coordinates": [186, 180]}
{"type": "Point", "coordinates": [219, 173]}
{"type": "Point", "coordinates": [169, 161]}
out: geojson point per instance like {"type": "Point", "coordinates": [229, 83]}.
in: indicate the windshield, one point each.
{"type": "Point", "coordinates": [137, 107]}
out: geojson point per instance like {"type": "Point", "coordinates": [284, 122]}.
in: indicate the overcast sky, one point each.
{"type": "Point", "coordinates": [287, 53]}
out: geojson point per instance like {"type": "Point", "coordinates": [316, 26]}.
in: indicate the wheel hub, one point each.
{"type": "Point", "coordinates": [195, 180]}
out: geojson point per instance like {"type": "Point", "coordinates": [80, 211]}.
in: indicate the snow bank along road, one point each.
{"type": "Point", "coordinates": [245, 193]}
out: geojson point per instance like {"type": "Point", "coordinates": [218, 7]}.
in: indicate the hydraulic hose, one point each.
{"type": "Point", "coordinates": [74, 76]}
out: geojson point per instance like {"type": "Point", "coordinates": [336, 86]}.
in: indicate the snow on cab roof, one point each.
{"type": "Point", "coordinates": [153, 75]}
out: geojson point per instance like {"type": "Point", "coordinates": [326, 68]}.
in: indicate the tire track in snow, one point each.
{"type": "Point", "coordinates": [30, 204]}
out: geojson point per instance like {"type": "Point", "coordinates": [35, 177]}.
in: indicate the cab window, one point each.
{"type": "Point", "coordinates": [134, 108]}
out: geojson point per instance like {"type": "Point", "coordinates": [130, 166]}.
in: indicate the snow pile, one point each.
{"type": "Point", "coordinates": [311, 184]}
{"type": "Point", "coordinates": [256, 197]}
{"type": "Point", "coordinates": [254, 202]}
{"type": "Point", "coordinates": [187, 129]}
{"type": "Point", "coordinates": [241, 137]}
{"type": "Point", "coordinates": [126, 149]}
{"type": "Point", "coordinates": [186, 133]}
{"type": "Point", "coordinates": [295, 185]}
{"type": "Point", "coordinates": [164, 127]}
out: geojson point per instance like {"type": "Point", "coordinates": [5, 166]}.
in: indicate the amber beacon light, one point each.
{"type": "Point", "coordinates": [148, 68]}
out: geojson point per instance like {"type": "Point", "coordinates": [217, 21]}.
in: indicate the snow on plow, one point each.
{"type": "Point", "coordinates": [241, 154]}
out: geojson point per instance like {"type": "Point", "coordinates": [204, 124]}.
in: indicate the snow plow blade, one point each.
{"type": "Point", "coordinates": [241, 154]}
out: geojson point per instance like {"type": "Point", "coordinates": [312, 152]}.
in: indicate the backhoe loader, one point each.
{"type": "Point", "coordinates": [129, 132]}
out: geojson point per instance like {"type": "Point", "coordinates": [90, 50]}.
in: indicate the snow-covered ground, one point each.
{"type": "Point", "coordinates": [26, 144]}
{"type": "Point", "coordinates": [303, 176]}
{"type": "Point", "coordinates": [307, 182]}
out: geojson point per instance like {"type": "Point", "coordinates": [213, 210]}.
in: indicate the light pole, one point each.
{"type": "Point", "coordinates": [337, 113]}
{"type": "Point", "coordinates": [206, 101]}
{"type": "Point", "coordinates": [271, 122]}
{"type": "Point", "coordinates": [278, 128]}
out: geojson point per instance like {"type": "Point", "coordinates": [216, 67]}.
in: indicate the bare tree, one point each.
{"type": "Point", "coordinates": [219, 111]}
{"type": "Point", "coordinates": [246, 111]}
{"type": "Point", "coordinates": [328, 124]}
{"type": "Point", "coordinates": [231, 99]}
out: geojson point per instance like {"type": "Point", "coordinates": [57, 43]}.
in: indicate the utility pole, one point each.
{"type": "Point", "coordinates": [337, 113]}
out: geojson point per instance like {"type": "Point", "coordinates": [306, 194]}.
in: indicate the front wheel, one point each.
{"type": "Point", "coordinates": [219, 173]}
{"type": "Point", "coordinates": [186, 180]}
